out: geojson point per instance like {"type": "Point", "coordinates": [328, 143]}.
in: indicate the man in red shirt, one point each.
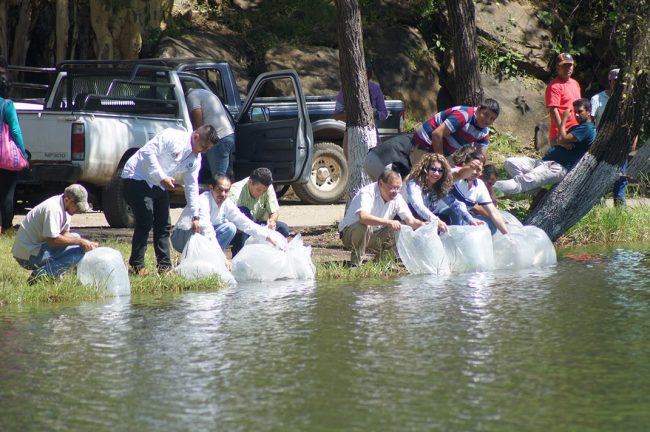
{"type": "Point", "coordinates": [560, 94]}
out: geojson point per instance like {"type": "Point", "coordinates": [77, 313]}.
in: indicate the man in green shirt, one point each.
{"type": "Point", "coordinates": [256, 198]}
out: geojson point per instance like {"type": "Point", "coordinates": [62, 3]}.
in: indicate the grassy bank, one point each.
{"type": "Point", "coordinates": [15, 290]}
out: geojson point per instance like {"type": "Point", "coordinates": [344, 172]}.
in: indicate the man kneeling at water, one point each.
{"type": "Point", "coordinates": [218, 218]}
{"type": "Point", "coordinates": [369, 221]}
{"type": "Point", "coordinates": [44, 243]}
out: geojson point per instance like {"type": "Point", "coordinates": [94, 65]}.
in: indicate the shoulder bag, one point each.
{"type": "Point", "coordinates": [11, 157]}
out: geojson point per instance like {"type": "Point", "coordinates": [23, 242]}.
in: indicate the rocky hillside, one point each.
{"type": "Point", "coordinates": [407, 41]}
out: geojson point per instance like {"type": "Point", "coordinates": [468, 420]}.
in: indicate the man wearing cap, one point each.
{"type": "Point", "coordinates": [44, 243]}
{"type": "Point", "coordinates": [148, 176]}
{"type": "Point", "coordinates": [560, 94]}
{"type": "Point", "coordinates": [598, 103]}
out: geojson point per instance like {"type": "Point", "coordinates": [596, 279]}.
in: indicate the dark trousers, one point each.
{"type": "Point", "coordinates": [151, 209]}
{"type": "Point", "coordinates": [241, 237]}
{"type": "Point", "coordinates": [8, 181]}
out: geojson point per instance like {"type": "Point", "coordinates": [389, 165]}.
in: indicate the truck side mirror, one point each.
{"type": "Point", "coordinates": [259, 114]}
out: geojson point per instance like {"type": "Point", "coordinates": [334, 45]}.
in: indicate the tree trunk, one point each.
{"type": "Point", "coordinates": [467, 89]}
{"type": "Point", "coordinates": [360, 124]}
{"type": "Point", "coordinates": [595, 173]}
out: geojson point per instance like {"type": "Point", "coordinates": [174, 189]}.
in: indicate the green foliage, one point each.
{"type": "Point", "coordinates": [505, 144]}
{"type": "Point", "coordinates": [611, 225]}
{"type": "Point", "coordinates": [500, 63]}
{"type": "Point", "coordinates": [386, 267]}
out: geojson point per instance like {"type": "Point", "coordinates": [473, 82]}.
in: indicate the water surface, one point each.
{"type": "Point", "coordinates": [563, 348]}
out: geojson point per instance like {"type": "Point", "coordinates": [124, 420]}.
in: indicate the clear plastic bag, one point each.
{"type": "Point", "coordinates": [468, 248]}
{"type": "Point", "coordinates": [104, 269]}
{"type": "Point", "coordinates": [422, 251]}
{"type": "Point", "coordinates": [523, 247]}
{"type": "Point", "coordinates": [201, 258]}
{"type": "Point", "coordinates": [509, 218]}
{"type": "Point", "coordinates": [264, 262]}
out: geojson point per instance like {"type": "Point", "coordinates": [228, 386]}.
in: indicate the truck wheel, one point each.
{"type": "Point", "coordinates": [329, 176]}
{"type": "Point", "coordinates": [116, 211]}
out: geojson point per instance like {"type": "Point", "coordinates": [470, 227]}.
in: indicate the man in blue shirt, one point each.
{"type": "Point", "coordinates": [529, 174]}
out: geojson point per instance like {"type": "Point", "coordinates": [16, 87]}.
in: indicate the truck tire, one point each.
{"type": "Point", "coordinates": [116, 211]}
{"type": "Point", "coordinates": [329, 176]}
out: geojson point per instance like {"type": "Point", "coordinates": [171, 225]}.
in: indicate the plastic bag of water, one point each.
{"type": "Point", "coordinates": [104, 268]}
{"type": "Point", "coordinates": [523, 247]}
{"type": "Point", "coordinates": [468, 248]}
{"type": "Point", "coordinates": [421, 250]}
{"type": "Point", "coordinates": [201, 258]}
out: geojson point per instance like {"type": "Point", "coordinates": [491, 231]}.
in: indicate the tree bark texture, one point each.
{"type": "Point", "coordinates": [595, 173]}
{"type": "Point", "coordinates": [359, 120]}
{"type": "Point", "coordinates": [467, 76]}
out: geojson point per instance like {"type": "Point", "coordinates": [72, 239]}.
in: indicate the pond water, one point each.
{"type": "Point", "coordinates": [563, 348]}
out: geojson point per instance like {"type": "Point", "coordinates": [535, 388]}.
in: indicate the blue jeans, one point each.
{"type": "Point", "coordinates": [53, 260]}
{"type": "Point", "coordinates": [225, 233]}
{"type": "Point", "coordinates": [220, 156]}
{"type": "Point", "coordinates": [620, 186]}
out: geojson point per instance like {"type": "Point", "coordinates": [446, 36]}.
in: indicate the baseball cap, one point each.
{"type": "Point", "coordinates": [564, 58]}
{"type": "Point", "coordinates": [613, 74]}
{"type": "Point", "coordinates": [79, 196]}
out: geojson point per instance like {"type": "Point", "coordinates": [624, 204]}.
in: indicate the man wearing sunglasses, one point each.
{"type": "Point", "coordinates": [369, 222]}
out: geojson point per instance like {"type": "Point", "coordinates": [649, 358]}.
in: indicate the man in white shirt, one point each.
{"type": "Point", "coordinates": [149, 175]}
{"type": "Point", "coordinates": [44, 243]}
{"type": "Point", "coordinates": [476, 196]}
{"type": "Point", "coordinates": [206, 108]}
{"type": "Point", "coordinates": [219, 218]}
{"type": "Point", "coordinates": [369, 222]}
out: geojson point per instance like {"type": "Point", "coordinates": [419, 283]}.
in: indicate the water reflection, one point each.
{"type": "Point", "coordinates": [544, 349]}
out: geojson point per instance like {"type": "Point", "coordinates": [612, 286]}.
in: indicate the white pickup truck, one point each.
{"type": "Point", "coordinates": [98, 113]}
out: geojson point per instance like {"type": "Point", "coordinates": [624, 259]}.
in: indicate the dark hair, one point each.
{"type": "Point", "coordinates": [459, 157]}
{"type": "Point", "coordinates": [388, 174]}
{"type": "Point", "coordinates": [490, 104]}
{"type": "Point", "coordinates": [582, 103]}
{"type": "Point", "coordinates": [489, 170]}
{"type": "Point", "coordinates": [420, 172]}
{"type": "Point", "coordinates": [214, 180]}
{"type": "Point", "coordinates": [209, 133]}
{"type": "Point", "coordinates": [262, 175]}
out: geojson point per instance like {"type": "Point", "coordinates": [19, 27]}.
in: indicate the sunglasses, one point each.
{"type": "Point", "coordinates": [436, 170]}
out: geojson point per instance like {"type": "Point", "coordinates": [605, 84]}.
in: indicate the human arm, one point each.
{"type": "Point", "coordinates": [339, 107]}
{"type": "Point", "coordinates": [438, 136]}
{"type": "Point", "coordinates": [11, 118]}
{"type": "Point", "coordinates": [196, 117]}
{"type": "Point", "coordinates": [555, 114]}
{"type": "Point", "coordinates": [366, 218]}
{"type": "Point", "coordinates": [377, 102]}
{"type": "Point", "coordinates": [67, 239]}
{"type": "Point", "coordinates": [191, 187]}
{"type": "Point", "coordinates": [495, 216]}
{"type": "Point", "coordinates": [566, 140]}
{"type": "Point", "coordinates": [415, 198]}
{"type": "Point", "coordinates": [460, 209]}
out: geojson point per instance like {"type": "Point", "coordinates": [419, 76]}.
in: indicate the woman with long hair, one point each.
{"type": "Point", "coordinates": [427, 192]}
{"type": "Point", "coordinates": [8, 178]}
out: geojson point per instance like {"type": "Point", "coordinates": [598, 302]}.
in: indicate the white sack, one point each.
{"type": "Point", "coordinates": [104, 268]}
{"type": "Point", "coordinates": [544, 254]}
{"type": "Point", "coordinates": [421, 250]}
{"type": "Point", "coordinates": [509, 218]}
{"type": "Point", "coordinates": [468, 248]}
{"type": "Point", "coordinates": [264, 262]}
{"type": "Point", "coordinates": [201, 258]}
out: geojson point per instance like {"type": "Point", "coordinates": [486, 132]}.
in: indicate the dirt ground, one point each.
{"type": "Point", "coordinates": [324, 240]}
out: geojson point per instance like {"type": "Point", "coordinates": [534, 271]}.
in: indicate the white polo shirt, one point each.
{"type": "Point", "coordinates": [471, 193]}
{"type": "Point", "coordinates": [168, 154]}
{"type": "Point", "coordinates": [47, 220]}
{"type": "Point", "coordinates": [369, 199]}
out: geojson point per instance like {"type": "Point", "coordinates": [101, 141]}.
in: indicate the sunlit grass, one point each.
{"type": "Point", "coordinates": [610, 225]}
{"type": "Point", "coordinates": [14, 288]}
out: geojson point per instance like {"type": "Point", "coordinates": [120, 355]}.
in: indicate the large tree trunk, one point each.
{"type": "Point", "coordinates": [595, 173]}
{"type": "Point", "coordinates": [467, 89]}
{"type": "Point", "coordinates": [359, 120]}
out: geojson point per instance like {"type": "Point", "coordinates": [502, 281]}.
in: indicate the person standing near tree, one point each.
{"type": "Point", "coordinates": [206, 108]}
{"type": "Point", "coordinates": [561, 92]}
{"type": "Point", "coordinates": [8, 178]}
{"type": "Point", "coordinates": [598, 104]}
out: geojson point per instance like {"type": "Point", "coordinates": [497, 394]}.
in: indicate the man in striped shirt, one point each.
{"type": "Point", "coordinates": [451, 129]}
